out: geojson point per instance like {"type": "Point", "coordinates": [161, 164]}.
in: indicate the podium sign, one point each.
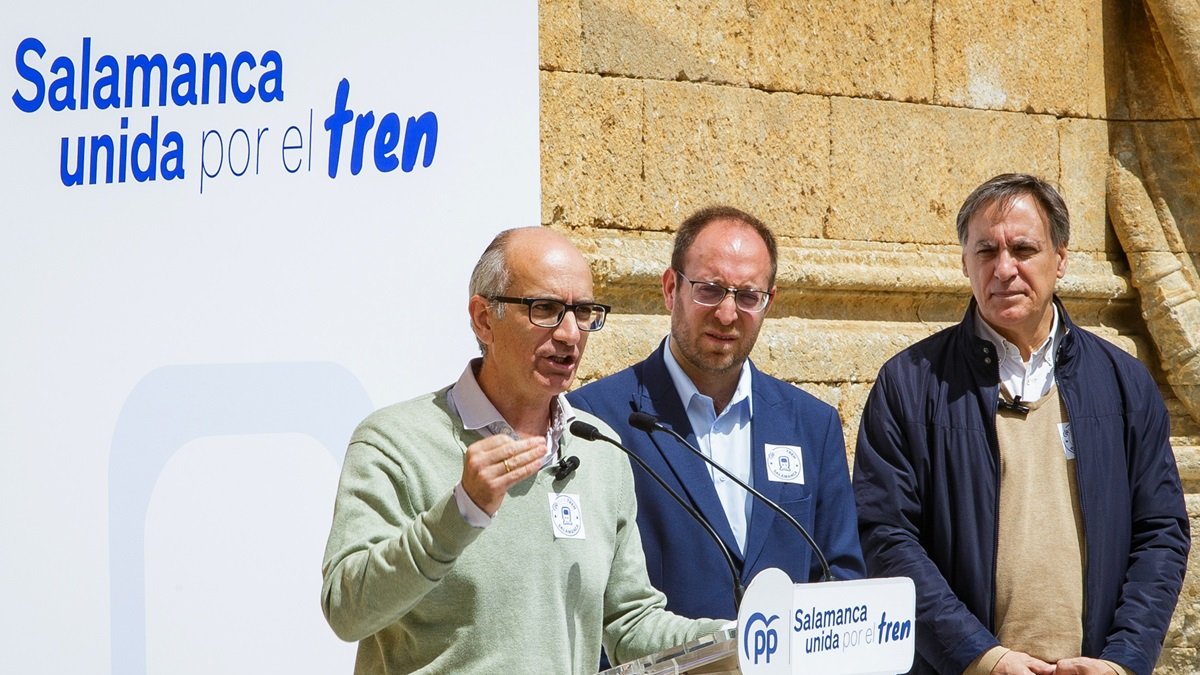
{"type": "Point", "coordinates": [835, 628]}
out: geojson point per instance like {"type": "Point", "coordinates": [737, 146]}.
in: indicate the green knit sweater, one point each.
{"type": "Point", "coordinates": [423, 591]}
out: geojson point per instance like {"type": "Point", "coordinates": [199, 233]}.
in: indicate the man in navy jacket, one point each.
{"type": "Point", "coordinates": [700, 382]}
{"type": "Point", "coordinates": [1018, 468]}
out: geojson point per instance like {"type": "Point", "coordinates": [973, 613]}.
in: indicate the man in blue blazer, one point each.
{"type": "Point", "coordinates": [783, 441]}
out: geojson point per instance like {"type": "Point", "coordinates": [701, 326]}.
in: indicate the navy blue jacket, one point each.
{"type": "Point", "coordinates": [682, 560]}
{"type": "Point", "coordinates": [927, 488]}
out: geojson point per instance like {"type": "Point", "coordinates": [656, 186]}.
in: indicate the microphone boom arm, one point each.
{"type": "Point", "coordinates": [591, 433]}
{"type": "Point", "coordinates": [649, 424]}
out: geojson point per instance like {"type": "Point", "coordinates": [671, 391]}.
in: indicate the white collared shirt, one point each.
{"type": "Point", "coordinates": [724, 438]}
{"type": "Point", "coordinates": [478, 413]}
{"type": "Point", "coordinates": [1027, 381]}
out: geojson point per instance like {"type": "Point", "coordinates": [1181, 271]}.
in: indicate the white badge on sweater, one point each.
{"type": "Point", "coordinates": [1064, 432]}
{"type": "Point", "coordinates": [567, 516]}
{"type": "Point", "coordinates": [785, 463]}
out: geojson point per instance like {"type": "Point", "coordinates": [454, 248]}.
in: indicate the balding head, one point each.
{"type": "Point", "coordinates": [518, 249]}
{"type": "Point", "coordinates": [525, 363]}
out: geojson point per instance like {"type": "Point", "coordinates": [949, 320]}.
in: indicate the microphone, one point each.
{"type": "Point", "coordinates": [566, 467]}
{"type": "Point", "coordinates": [650, 424]}
{"type": "Point", "coordinates": [1014, 405]}
{"type": "Point", "coordinates": [589, 432]}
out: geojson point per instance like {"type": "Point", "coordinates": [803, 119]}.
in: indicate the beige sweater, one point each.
{"type": "Point", "coordinates": [1040, 556]}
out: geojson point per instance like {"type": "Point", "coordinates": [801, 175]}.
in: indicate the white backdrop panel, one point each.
{"type": "Point", "coordinates": [185, 356]}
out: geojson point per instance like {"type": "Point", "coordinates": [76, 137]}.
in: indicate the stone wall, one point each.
{"type": "Point", "coordinates": [855, 130]}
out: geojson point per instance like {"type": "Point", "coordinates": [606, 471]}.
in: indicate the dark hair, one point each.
{"type": "Point", "coordinates": [695, 223]}
{"type": "Point", "coordinates": [1004, 189]}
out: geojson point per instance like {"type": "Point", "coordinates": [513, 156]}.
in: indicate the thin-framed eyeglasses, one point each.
{"type": "Point", "coordinates": [548, 313]}
{"type": "Point", "coordinates": [711, 294]}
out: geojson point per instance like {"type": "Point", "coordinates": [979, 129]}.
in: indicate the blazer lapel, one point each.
{"type": "Point", "coordinates": [766, 407]}
{"type": "Point", "coordinates": [660, 399]}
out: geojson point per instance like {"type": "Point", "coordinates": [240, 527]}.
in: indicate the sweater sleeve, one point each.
{"type": "Point", "coordinates": [381, 557]}
{"type": "Point", "coordinates": [636, 622]}
{"type": "Point", "coordinates": [887, 491]}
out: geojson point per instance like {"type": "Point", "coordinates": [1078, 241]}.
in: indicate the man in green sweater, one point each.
{"type": "Point", "coordinates": [455, 548]}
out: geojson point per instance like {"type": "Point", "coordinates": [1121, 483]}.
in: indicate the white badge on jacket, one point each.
{"type": "Point", "coordinates": [1068, 441]}
{"type": "Point", "coordinates": [785, 463]}
{"type": "Point", "coordinates": [566, 515]}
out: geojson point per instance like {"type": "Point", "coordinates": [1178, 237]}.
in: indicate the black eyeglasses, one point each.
{"type": "Point", "coordinates": [710, 294]}
{"type": "Point", "coordinates": [548, 313]}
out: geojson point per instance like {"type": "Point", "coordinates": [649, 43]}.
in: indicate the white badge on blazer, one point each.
{"type": "Point", "coordinates": [566, 515]}
{"type": "Point", "coordinates": [785, 463]}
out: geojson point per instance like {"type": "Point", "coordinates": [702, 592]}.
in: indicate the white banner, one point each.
{"type": "Point", "coordinates": [859, 627]}
{"type": "Point", "coordinates": [231, 230]}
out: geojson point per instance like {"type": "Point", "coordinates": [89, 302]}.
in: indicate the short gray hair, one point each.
{"type": "Point", "coordinates": [492, 275]}
{"type": "Point", "coordinates": [1002, 190]}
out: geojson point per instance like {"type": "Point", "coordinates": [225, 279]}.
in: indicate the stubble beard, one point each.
{"type": "Point", "coordinates": [708, 362]}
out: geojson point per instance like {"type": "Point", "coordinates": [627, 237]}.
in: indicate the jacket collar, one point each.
{"type": "Point", "coordinates": [981, 352]}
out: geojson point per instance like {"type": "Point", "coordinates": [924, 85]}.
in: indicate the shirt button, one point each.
{"type": "Point", "coordinates": [988, 360]}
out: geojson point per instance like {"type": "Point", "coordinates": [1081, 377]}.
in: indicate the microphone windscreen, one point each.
{"type": "Point", "coordinates": [566, 467]}
{"type": "Point", "coordinates": [642, 421]}
{"type": "Point", "coordinates": [585, 431]}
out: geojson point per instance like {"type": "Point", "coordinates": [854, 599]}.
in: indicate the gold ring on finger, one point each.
{"type": "Point", "coordinates": [507, 468]}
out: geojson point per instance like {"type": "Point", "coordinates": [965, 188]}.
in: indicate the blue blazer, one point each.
{"type": "Point", "coordinates": [681, 558]}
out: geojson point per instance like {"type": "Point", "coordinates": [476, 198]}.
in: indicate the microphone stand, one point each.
{"type": "Point", "coordinates": [590, 433]}
{"type": "Point", "coordinates": [649, 424]}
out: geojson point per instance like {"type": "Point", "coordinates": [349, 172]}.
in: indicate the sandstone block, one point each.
{"type": "Point", "coordinates": [827, 393]}
{"type": "Point", "coordinates": [899, 172]}
{"type": "Point", "coordinates": [816, 350]}
{"type": "Point", "coordinates": [663, 40]}
{"type": "Point", "coordinates": [625, 340]}
{"type": "Point", "coordinates": [1102, 81]}
{"type": "Point", "coordinates": [1083, 148]}
{"type": "Point", "coordinates": [874, 49]}
{"type": "Point", "coordinates": [833, 395]}
{"type": "Point", "coordinates": [560, 35]}
{"type": "Point", "coordinates": [591, 131]}
{"type": "Point", "coordinates": [854, 399]}
{"type": "Point", "coordinates": [1025, 55]}
{"type": "Point", "coordinates": [767, 153]}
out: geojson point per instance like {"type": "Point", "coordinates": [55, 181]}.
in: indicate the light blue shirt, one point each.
{"type": "Point", "coordinates": [477, 413]}
{"type": "Point", "coordinates": [725, 438]}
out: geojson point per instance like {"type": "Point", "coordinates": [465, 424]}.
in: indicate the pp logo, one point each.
{"type": "Point", "coordinates": [765, 639]}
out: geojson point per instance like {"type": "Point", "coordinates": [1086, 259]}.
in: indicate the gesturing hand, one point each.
{"type": "Point", "coordinates": [492, 465]}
